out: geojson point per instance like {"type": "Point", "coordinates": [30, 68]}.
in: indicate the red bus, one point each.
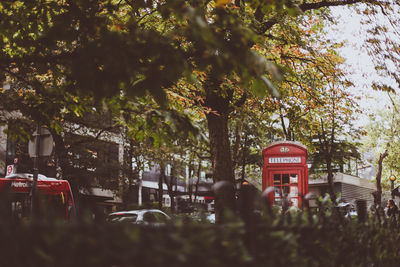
{"type": "Point", "coordinates": [55, 197]}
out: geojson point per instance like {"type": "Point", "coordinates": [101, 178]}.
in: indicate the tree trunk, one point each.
{"type": "Point", "coordinates": [327, 148]}
{"type": "Point", "coordinates": [190, 181]}
{"type": "Point", "coordinates": [236, 145]}
{"type": "Point", "coordinates": [170, 185]}
{"type": "Point", "coordinates": [128, 172]}
{"type": "Point", "coordinates": [378, 196]}
{"type": "Point", "coordinates": [285, 132]}
{"type": "Point", "coordinates": [220, 147]}
{"type": "Point", "coordinates": [244, 155]}
{"type": "Point", "coordinates": [196, 192]}
{"type": "Point", "coordinates": [66, 167]}
{"type": "Point", "coordinates": [160, 185]}
{"type": "Point", "coordinates": [330, 177]}
{"type": "Point", "coordinates": [63, 159]}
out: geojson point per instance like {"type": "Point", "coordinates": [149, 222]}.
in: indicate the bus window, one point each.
{"type": "Point", "coordinates": [52, 206]}
{"type": "Point", "coordinates": [55, 198]}
{"type": "Point", "coordinates": [20, 206]}
{"type": "Point", "coordinates": [15, 206]}
{"type": "Point", "coordinates": [71, 213]}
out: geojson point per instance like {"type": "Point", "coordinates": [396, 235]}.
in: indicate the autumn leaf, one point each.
{"type": "Point", "coordinates": [220, 3]}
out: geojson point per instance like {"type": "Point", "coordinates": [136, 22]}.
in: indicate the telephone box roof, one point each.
{"type": "Point", "coordinates": [285, 143]}
{"type": "Point", "coordinates": [293, 143]}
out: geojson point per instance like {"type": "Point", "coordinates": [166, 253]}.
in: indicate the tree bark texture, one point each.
{"type": "Point", "coordinates": [219, 144]}
{"type": "Point", "coordinates": [170, 186]}
{"type": "Point", "coordinates": [378, 196]}
{"type": "Point", "coordinates": [67, 170]}
{"type": "Point", "coordinates": [330, 177]}
{"type": "Point", "coordinates": [160, 184]}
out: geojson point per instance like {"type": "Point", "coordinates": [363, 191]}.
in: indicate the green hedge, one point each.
{"type": "Point", "coordinates": [280, 240]}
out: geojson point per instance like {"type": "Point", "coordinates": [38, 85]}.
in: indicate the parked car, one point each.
{"type": "Point", "coordinates": [347, 209]}
{"type": "Point", "coordinates": [144, 216]}
{"type": "Point", "coordinates": [211, 218]}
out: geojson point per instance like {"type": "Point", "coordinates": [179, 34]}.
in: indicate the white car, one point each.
{"type": "Point", "coordinates": [211, 218]}
{"type": "Point", "coordinates": [144, 216]}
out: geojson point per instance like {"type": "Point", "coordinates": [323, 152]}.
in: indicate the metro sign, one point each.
{"type": "Point", "coordinates": [10, 170]}
{"type": "Point", "coordinates": [20, 184]}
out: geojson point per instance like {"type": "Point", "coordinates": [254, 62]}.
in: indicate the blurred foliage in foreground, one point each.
{"type": "Point", "coordinates": [321, 237]}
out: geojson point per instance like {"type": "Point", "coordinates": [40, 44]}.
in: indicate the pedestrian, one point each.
{"type": "Point", "coordinates": [392, 210]}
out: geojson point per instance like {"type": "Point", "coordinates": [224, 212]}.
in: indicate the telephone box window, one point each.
{"type": "Point", "coordinates": [293, 179]}
{"type": "Point", "coordinates": [293, 191]}
{"type": "Point", "coordinates": [285, 179]}
{"type": "Point", "coordinates": [285, 190]}
{"type": "Point", "coordinates": [283, 187]}
{"type": "Point", "coordinates": [277, 191]}
{"type": "Point", "coordinates": [277, 179]}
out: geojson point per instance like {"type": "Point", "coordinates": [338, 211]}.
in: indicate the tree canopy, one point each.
{"type": "Point", "coordinates": [157, 66]}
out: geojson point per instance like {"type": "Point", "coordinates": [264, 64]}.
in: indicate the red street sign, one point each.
{"type": "Point", "coordinates": [10, 169]}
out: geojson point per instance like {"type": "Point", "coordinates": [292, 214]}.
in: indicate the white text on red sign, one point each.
{"type": "Point", "coordinates": [284, 160]}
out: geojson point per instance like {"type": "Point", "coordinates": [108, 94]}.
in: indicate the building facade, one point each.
{"type": "Point", "coordinates": [351, 188]}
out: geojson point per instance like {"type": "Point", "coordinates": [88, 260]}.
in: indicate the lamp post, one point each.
{"type": "Point", "coordinates": [392, 179]}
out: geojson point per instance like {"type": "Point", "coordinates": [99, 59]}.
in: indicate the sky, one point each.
{"type": "Point", "coordinates": [350, 30]}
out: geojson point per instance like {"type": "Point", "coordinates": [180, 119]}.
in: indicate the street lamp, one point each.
{"type": "Point", "coordinates": [392, 178]}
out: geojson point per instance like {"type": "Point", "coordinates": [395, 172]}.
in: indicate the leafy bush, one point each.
{"type": "Point", "coordinates": [296, 238]}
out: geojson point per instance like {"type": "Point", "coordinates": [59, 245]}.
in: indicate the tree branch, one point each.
{"type": "Point", "coordinates": [312, 6]}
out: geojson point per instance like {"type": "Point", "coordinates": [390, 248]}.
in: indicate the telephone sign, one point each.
{"type": "Point", "coordinates": [284, 160]}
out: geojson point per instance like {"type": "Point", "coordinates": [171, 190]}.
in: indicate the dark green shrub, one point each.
{"type": "Point", "coordinates": [297, 238]}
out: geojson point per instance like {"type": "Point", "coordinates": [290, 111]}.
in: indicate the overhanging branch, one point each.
{"type": "Point", "coordinates": [317, 5]}
{"type": "Point", "coordinates": [266, 25]}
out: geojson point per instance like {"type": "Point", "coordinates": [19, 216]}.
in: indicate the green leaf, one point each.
{"type": "Point", "coordinates": [259, 88]}
{"type": "Point", "coordinates": [263, 85]}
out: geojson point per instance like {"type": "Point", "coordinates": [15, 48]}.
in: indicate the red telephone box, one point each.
{"type": "Point", "coordinates": [285, 168]}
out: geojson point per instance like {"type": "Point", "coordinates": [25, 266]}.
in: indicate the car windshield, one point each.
{"type": "Point", "coordinates": [155, 217]}
{"type": "Point", "coordinates": [123, 217]}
